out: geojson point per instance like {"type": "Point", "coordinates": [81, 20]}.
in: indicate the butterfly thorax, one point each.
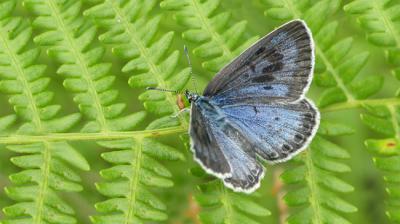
{"type": "Point", "coordinates": [191, 97]}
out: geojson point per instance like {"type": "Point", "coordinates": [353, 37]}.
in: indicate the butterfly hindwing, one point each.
{"type": "Point", "coordinates": [277, 68]}
{"type": "Point", "coordinates": [277, 131]}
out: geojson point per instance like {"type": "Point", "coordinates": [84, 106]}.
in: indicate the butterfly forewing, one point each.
{"type": "Point", "coordinates": [276, 68]}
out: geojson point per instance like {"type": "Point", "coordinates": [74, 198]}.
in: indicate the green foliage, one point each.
{"type": "Point", "coordinates": [335, 70]}
{"type": "Point", "coordinates": [221, 205]}
{"type": "Point", "coordinates": [215, 44]}
{"type": "Point", "coordinates": [131, 31]}
{"type": "Point", "coordinates": [47, 166]}
{"type": "Point", "coordinates": [81, 141]}
{"type": "Point", "coordinates": [380, 21]}
{"type": "Point", "coordinates": [129, 181]}
{"type": "Point", "coordinates": [317, 183]}
{"type": "Point", "coordinates": [216, 47]}
{"type": "Point", "coordinates": [69, 39]}
{"type": "Point", "coordinates": [385, 120]}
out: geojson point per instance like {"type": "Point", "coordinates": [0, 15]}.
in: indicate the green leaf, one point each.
{"type": "Point", "coordinates": [134, 172]}
{"type": "Point", "coordinates": [221, 205]}
{"type": "Point", "coordinates": [70, 41]}
{"type": "Point", "coordinates": [218, 40]}
{"type": "Point", "coordinates": [318, 184]}
{"type": "Point", "coordinates": [334, 129]}
{"type": "Point", "coordinates": [148, 59]}
{"type": "Point", "coordinates": [385, 120]}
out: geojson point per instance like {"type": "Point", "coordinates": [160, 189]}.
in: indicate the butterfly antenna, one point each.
{"type": "Point", "coordinates": [163, 90]}
{"type": "Point", "coordinates": [191, 68]}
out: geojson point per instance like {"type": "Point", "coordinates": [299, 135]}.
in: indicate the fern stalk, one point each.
{"type": "Point", "coordinates": [34, 187]}
{"type": "Point", "coordinates": [90, 81]}
{"type": "Point", "coordinates": [320, 162]}
{"type": "Point", "coordinates": [133, 25]}
{"type": "Point", "coordinates": [379, 20]}
{"type": "Point", "coordinates": [217, 46]}
{"type": "Point", "coordinates": [113, 135]}
{"type": "Point", "coordinates": [130, 31]}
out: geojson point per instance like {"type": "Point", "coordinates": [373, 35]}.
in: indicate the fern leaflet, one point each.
{"type": "Point", "coordinates": [130, 30]}
{"type": "Point", "coordinates": [70, 39]}
{"type": "Point", "coordinates": [379, 19]}
{"type": "Point", "coordinates": [217, 44]}
{"type": "Point", "coordinates": [221, 205]}
{"type": "Point", "coordinates": [135, 171]}
{"type": "Point", "coordinates": [385, 121]}
{"type": "Point", "coordinates": [336, 69]}
{"type": "Point", "coordinates": [47, 166]}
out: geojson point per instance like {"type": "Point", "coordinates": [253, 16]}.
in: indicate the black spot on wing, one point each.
{"type": "Point", "coordinates": [263, 78]}
{"type": "Point", "coordinates": [287, 148]}
{"type": "Point", "coordinates": [260, 51]}
{"type": "Point", "coordinates": [298, 138]}
{"type": "Point", "coordinates": [247, 181]}
{"type": "Point", "coordinates": [252, 67]}
{"type": "Point", "coordinates": [273, 55]}
{"type": "Point", "coordinates": [273, 67]}
{"type": "Point", "coordinates": [255, 109]}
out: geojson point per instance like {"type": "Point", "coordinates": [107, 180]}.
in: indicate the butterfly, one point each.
{"type": "Point", "coordinates": [255, 109]}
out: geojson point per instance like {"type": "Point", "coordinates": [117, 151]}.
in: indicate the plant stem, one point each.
{"type": "Point", "coordinates": [24, 139]}
{"type": "Point", "coordinates": [358, 103]}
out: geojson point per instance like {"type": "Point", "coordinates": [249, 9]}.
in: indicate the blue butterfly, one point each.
{"type": "Point", "coordinates": [255, 108]}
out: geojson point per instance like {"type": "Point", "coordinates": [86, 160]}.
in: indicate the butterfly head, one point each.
{"type": "Point", "coordinates": [191, 97]}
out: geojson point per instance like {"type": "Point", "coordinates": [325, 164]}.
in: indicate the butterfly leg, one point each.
{"type": "Point", "coordinates": [184, 110]}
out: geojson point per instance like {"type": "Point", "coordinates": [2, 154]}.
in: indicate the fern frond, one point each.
{"type": "Point", "coordinates": [315, 175]}
{"type": "Point", "coordinates": [129, 181]}
{"type": "Point", "coordinates": [385, 121]}
{"type": "Point", "coordinates": [6, 122]}
{"type": "Point", "coordinates": [69, 39]}
{"type": "Point", "coordinates": [336, 68]}
{"type": "Point", "coordinates": [218, 42]}
{"type": "Point", "coordinates": [221, 205]}
{"type": "Point", "coordinates": [217, 39]}
{"type": "Point", "coordinates": [48, 167]}
{"type": "Point", "coordinates": [131, 31]}
{"type": "Point", "coordinates": [380, 20]}
{"type": "Point", "coordinates": [136, 170]}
